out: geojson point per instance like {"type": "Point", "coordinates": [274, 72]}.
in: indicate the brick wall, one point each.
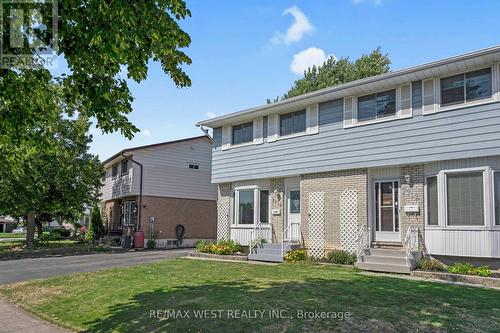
{"type": "Point", "coordinates": [199, 217]}
{"type": "Point", "coordinates": [277, 202]}
{"type": "Point", "coordinates": [412, 193]}
{"type": "Point", "coordinates": [333, 184]}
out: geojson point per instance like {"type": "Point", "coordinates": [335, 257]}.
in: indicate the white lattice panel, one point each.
{"type": "Point", "coordinates": [223, 205]}
{"type": "Point", "coordinates": [348, 220]}
{"type": "Point", "coordinates": [317, 224]}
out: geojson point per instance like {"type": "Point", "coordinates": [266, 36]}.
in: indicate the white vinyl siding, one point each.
{"type": "Point", "coordinates": [258, 131]}
{"type": "Point", "coordinates": [273, 127]}
{"type": "Point", "coordinates": [226, 137]}
{"type": "Point", "coordinates": [405, 103]}
{"type": "Point", "coordinates": [428, 99]}
{"type": "Point", "coordinates": [312, 119]}
{"type": "Point", "coordinates": [349, 111]}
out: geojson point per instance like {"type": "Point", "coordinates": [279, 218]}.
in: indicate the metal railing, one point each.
{"type": "Point", "coordinates": [255, 236]}
{"type": "Point", "coordinates": [363, 241]}
{"type": "Point", "coordinates": [411, 242]}
{"type": "Point", "coordinates": [294, 229]}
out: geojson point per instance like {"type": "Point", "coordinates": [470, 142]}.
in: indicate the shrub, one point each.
{"type": "Point", "coordinates": [461, 268]}
{"type": "Point", "coordinates": [483, 271]}
{"type": "Point", "coordinates": [296, 255]}
{"type": "Point", "coordinates": [96, 226]}
{"type": "Point", "coordinates": [151, 244]}
{"type": "Point", "coordinates": [428, 264]}
{"type": "Point", "coordinates": [341, 257]}
{"type": "Point", "coordinates": [222, 247]}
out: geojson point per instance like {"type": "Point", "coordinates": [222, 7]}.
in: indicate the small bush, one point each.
{"type": "Point", "coordinates": [483, 271]}
{"type": "Point", "coordinates": [341, 257]}
{"type": "Point", "coordinates": [296, 255]}
{"type": "Point", "coordinates": [461, 268]}
{"type": "Point", "coordinates": [223, 247]}
{"type": "Point", "coordinates": [428, 264]}
{"type": "Point", "coordinates": [151, 244]}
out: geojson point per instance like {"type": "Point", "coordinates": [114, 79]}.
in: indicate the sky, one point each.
{"type": "Point", "coordinates": [244, 52]}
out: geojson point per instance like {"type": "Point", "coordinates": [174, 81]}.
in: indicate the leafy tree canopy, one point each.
{"type": "Point", "coordinates": [334, 72]}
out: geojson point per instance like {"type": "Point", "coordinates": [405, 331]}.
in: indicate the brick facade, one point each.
{"type": "Point", "coordinates": [277, 202]}
{"type": "Point", "coordinates": [333, 184]}
{"type": "Point", "coordinates": [412, 193]}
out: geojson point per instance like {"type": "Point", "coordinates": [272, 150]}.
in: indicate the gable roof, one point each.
{"type": "Point", "coordinates": [383, 81]}
{"type": "Point", "coordinates": [127, 150]}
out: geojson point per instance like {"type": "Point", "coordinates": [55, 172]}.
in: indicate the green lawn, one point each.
{"type": "Point", "coordinates": [11, 235]}
{"type": "Point", "coordinates": [121, 300]}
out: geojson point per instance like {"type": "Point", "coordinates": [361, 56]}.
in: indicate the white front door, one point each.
{"type": "Point", "coordinates": [292, 224]}
{"type": "Point", "coordinates": [386, 214]}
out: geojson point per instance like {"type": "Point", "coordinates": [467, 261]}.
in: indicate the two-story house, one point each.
{"type": "Point", "coordinates": [409, 160]}
{"type": "Point", "coordinates": [157, 187]}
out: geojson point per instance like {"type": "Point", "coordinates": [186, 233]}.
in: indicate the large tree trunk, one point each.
{"type": "Point", "coordinates": [30, 231]}
{"type": "Point", "coordinates": [39, 228]}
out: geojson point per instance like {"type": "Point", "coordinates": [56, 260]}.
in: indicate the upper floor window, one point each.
{"type": "Point", "coordinates": [466, 87]}
{"type": "Point", "coordinates": [243, 133]}
{"type": "Point", "coordinates": [114, 171]}
{"type": "Point", "coordinates": [375, 106]}
{"type": "Point", "coordinates": [194, 166]}
{"type": "Point", "coordinates": [124, 167]}
{"type": "Point", "coordinates": [294, 122]}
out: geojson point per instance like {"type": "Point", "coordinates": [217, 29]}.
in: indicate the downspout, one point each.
{"type": "Point", "coordinates": [138, 224]}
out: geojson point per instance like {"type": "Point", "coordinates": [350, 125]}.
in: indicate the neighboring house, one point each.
{"type": "Point", "coordinates": [7, 223]}
{"type": "Point", "coordinates": [408, 159]}
{"type": "Point", "coordinates": [154, 188]}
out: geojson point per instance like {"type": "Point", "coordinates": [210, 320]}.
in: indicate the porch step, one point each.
{"type": "Point", "coordinates": [270, 252]}
{"type": "Point", "coordinates": [382, 267]}
{"type": "Point", "coordinates": [387, 253]}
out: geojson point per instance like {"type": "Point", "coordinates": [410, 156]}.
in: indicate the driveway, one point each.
{"type": "Point", "coordinates": [28, 269]}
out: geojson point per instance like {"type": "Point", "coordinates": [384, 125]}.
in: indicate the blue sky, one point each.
{"type": "Point", "coordinates": [244, 52]}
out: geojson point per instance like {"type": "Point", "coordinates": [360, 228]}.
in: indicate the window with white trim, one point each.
{"type": "Point", "coordinates": [252, 206]}
{"type": "Point", "coordinates": [294, 122]}
{"type": "Point", "coordinates": [432, 201]}
{"type": "Point", "coordinates": [246, 207]}
{"type": "Point", "coordinates": [496, 196]}
{"type": "Point", "coordinates": [466, 87]}
{"type": "Point", "coordinates": [376, 106]}
{"type": "Point", "coordinates": [124, 167]}
{"type": "Point", "coordinates": [242, 133]}
{"type": "Point", "coordinates": [465, 198]}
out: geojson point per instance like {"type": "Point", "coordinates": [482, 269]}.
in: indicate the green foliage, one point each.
{"type": "Point", "coordinates": [466, 268]}
{"type": "Point", "coordinates": [296, 255]}
{"type": "Point", "coordinates": [341, 257]}
{"type": "Point", "coordinates": [429, 264]}
{"type": "Point", "coordinates": [96, 226]}
{"type": "Point", "coordinates": [334, 72]}
{"type": "Point", "coordinates": [151, 244]}
{"type": "Point", "coordinates": [57, 234]}
{"type": "Point", "coordinates": [223, 247]}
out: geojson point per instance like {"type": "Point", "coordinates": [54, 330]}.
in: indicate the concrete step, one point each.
{"type": "Point", "coordinates": [376, 259]}
{"type": "Point", "coordinates": [387, 252]}
{"type": "Point", "coordinates": [265, 257]}
{"type": "Point", "coordinates": [379, 267]}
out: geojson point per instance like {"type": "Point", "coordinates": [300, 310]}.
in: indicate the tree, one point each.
{"type": "Point", "coordinates": [96, 227]}
{"type": "Point", "coordinates": [45, 167]}
{"type": "Point", "coordinates": [334, 72]}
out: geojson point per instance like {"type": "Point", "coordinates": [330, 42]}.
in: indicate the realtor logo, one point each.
{"type": "Point", "coordinates": [28, 34]}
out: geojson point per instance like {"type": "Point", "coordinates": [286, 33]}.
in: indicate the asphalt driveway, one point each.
{"type": "Point", "coordinates": [28, 269]}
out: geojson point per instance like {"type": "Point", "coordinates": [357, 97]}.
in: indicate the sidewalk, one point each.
{"type": "Point", "coordinates": [13, 319]}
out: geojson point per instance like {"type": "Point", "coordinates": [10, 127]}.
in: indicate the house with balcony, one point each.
{"type": "Point", "coordinates": [162, 189]}
{"type": "Point", "coordinates": [389, 167]}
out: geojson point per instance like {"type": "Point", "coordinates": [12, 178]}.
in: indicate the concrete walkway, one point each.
{"type": "Point", "coordinates": [13, 319]}
{"type": "Point", "coordinates": [35, 268]}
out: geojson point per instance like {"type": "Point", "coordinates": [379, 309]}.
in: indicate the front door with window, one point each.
{"type": "Point", "coordinates": [293, 215]}
{"type": "Point", "coordinates": [386, 211]}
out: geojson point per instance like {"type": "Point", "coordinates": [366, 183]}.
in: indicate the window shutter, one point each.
{"type": "Point", "coordinates": [272, 129]}
{"type": "Point", "coordinates": [405, 101]}
{"type": "Point", "coordinates": [348, 111]}
{"type": "Point", "coordinates": [312, 119]}
{"type": "Point", "coordinates": [429, 98]}
{"type": "Point", "coordinates": [257, 131]}
{"type": "Point", "coordinates": [226, 137]}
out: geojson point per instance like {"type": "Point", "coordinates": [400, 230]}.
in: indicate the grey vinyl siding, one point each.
{"type": "Point", "coordinates": [217, 137]}
{"type": "Point", "coordinates": [459, 133]}
{"type": "Point", "coordinates": [416, 97]}
{"type": "Point", "coordinates": [331, 112]}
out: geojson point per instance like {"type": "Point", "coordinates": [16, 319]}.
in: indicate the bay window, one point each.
{"type": "Point", "coordinates": [466, 87]}
{"type": "Point", "coordinates": [376, 106]}
{"type": "Point", "coordinates": [465, 198]}
{"type": "Point", "coordinates": [245, 207]}
{"type": "Point", "coordinates": [432, 201]}
{"type": "Point", "coordinates": [251, 206]}
{"type": "Point", "coordinates": [496, 196]}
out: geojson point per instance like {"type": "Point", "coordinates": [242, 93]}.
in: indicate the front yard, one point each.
{"type": "Point", "coordinates": [127, 300]}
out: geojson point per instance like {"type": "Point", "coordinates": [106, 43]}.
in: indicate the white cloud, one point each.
{"type": "Point", "coordinates": [147, 133]}
{"type": "Point", "coordinates": [307, 58]}
{"type": "Point", "coordinates": [296, 31]}
{"type": "Point", "coordinates": [211, 115]}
